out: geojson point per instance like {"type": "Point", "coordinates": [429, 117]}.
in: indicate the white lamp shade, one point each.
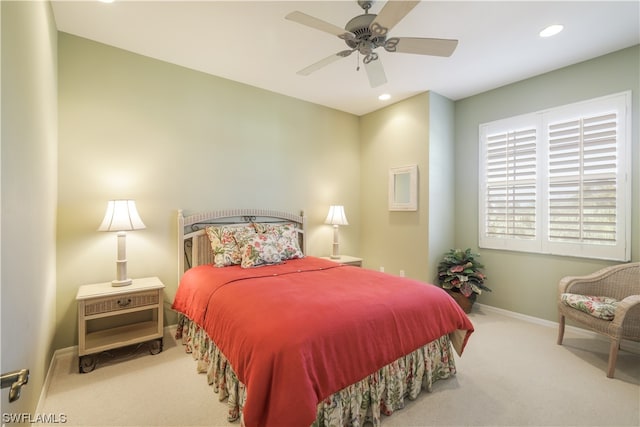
{"type": "Point", "coordinates": [336, 216]}
{"type": "Point", "coordinates": [121, 215]}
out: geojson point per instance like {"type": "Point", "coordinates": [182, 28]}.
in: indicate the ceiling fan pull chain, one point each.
{"type": "Point", "coordinates": [358, 61]}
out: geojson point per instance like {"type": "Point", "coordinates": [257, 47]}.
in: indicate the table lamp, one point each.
{"type": "Point", "coordinates": [121, 216]}
{"type": "Point", "coordinates": [336, 217]}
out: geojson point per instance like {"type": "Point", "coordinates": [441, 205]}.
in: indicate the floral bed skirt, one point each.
{"type": "Point", "coordinates": [380, 393]}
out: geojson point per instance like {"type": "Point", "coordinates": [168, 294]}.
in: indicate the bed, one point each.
{"type": "Point", "coordinates": [294, 340]}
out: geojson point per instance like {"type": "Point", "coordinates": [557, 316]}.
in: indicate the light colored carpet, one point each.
{"type": "Point", "coordinates": [511, 374]}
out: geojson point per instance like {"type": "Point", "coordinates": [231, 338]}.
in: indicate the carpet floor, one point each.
{"type": "Point", "coordinates": [512, 373]}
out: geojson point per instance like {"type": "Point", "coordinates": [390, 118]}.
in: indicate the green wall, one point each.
{"type": "Point", "coordinates": [442, 173]}
{"type": "Point", "coordinates": [172, 138]}
{"type": "Point", "coordinates": [83, 123]}
{"type": "Point", "coordinates": [522, 282]}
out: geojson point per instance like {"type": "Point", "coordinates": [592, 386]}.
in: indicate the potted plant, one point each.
{"type": "Point", "coordinates": [459, 274]}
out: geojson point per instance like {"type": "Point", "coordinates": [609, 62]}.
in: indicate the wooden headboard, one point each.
{"type": "Point", "coordinates": [194, 247]}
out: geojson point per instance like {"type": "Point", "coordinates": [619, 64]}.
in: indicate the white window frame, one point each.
{"type": "Point", "coordinates": [516, 214]}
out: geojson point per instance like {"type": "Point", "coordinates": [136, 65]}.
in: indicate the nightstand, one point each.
{"type": "Point", "coordinates": [346, 260]}
{"type": "Point", "coordinates": [111, 317]}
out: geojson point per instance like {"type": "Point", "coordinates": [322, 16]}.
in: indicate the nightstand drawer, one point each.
{"type": "Point", "coordinates": [118, 316]}
{"type": "Point", "coordinates": [122, 302]}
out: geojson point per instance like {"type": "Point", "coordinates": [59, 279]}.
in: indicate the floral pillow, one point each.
{"type": "Point", "coordinates": [224, 245]}
{"type": "Point", "coordinates": [258, 250]}
{"type": "Point", "coordinates": [286, 236]}
{"type": "Point", "coordinates": [601, 307]}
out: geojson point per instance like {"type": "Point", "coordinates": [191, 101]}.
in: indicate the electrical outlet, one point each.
{"type": "Point", "coordinates": [381, 269]}
{"type": "Point", "coordinates": [401, 273]}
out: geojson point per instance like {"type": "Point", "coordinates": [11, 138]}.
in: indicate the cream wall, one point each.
{"type": "Point", "coordinates": [132, 126]}
{"type": "Point", "coordinates": [170, 138]}
{"type": "Point", "coordinates": [419, 131]}
{"type": "Point", "coordinates": [523, 282]}
{"type": "Point", "coordinates": [28, 195]}
{"type": "Point", "coordinates": [391, 137]}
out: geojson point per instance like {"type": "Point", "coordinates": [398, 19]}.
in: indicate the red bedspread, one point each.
{"type": "Point", "coordinates": [298, 332]}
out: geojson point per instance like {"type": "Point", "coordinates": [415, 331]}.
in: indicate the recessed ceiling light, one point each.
{"type": "Point", "coordinates": [106, 1]}
{"type": "Point", "coordinates": [384, 97]}
{"type": "Point", "coordinates": [551, 30]}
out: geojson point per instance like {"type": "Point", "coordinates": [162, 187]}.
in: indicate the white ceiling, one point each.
{"type": "Point", "coordinates": [252, 43]}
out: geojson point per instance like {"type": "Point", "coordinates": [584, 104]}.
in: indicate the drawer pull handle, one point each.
{"type": "Point", "coordinates": [124, 303]}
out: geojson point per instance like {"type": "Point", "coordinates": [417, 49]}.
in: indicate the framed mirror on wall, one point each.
{"type": "Point", "coordinates": [403, 188]}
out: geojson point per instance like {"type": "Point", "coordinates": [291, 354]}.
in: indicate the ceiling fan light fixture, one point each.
{"type": "Point", "coordinates": [367, 32]}
{"type": "Point", "coordinates": [551, 30]}
{"type": "Point", "coordinates": [384, 97]}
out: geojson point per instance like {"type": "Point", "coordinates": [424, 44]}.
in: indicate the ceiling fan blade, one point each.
{"type": "Point", "coordinates": [375, 72]}
{"type": "Point", "coordinates": [319, 24]}
{"type": "Point", "coordinates": [421, 46]}
{"type": "Point", "coordinates": [324, 62]}
{"type": "Point", "coordinates": [390, 14]}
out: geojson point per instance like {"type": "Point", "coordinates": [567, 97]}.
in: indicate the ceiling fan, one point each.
{"type": "Point", "coordinates": [367, 32]}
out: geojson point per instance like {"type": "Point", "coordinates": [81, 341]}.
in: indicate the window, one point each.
{"type": "Point", "coordinates": [559, 181]}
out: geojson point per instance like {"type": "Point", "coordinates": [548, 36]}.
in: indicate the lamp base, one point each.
{"type": "Point", "coordinates": [125, 282]}
{"type": "Point", "coordinates": [335, 256]}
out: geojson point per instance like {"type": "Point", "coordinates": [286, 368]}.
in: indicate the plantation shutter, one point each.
{"type": "Point", "coordinates": [559, 181]}
{"type": "Point", "coordinates": [588, 169]}
{"type": "Point", "coordinates": [582, 180]}
{"type": "Point", "coordinates": [511, 184]}
{"type": "Point", "coordinates": [509, 187]}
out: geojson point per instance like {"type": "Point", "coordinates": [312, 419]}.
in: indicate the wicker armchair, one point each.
{"type": "Point", "coordinates": [620, 282]}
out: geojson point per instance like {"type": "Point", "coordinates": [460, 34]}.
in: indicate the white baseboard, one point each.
{"type": "Point", "coordinates": [47, 379]}
{"type": "Point", "coordinates": [630, 346]}
{"type": "Point", "coordinates": [170, 329]}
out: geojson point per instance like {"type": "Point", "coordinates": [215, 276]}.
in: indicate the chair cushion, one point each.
{"type": "Point", "coordinates": [601, 307]}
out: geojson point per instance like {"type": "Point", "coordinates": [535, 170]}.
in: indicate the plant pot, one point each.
{"type": "Point", "coordinates": [464, 302]}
